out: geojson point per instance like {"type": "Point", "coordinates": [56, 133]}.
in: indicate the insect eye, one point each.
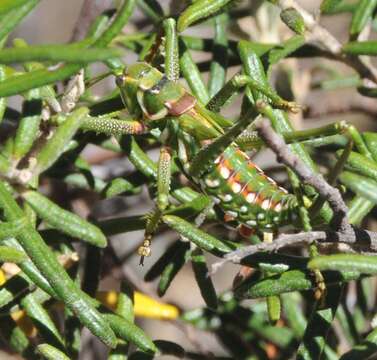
{"type": "Point", "coordinates": [120, 79]}
{"type": "Point", "coordinates": [143, 73]}
{"type": "Point", "coordinates": [155, 90]}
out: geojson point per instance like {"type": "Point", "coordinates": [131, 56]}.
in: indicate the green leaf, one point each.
{"type": "Point", "coordinates": [360, 48]}
{"type": "Point", "coordinates": [203, 279]}
{"type": "Point", "coordinates": [358, 208]}
{"type": "Point", "coordinates": [152, 9]}
{"type": "Point", "coordinates": [50, 352]}
{"type": "Point", "coordinates": [370, 138]}
{"type": "Point", "coordinates": [128, 331]}
{"type": "Point", "coordinates": [41, 319]}
{"type": "Point", "coordinates": [287, 48]}
{"type": "Point", "coordinates": [173, 266]}
{"type": "Point", "coordinates": [120, 186]}
{"type": "Point", "coordinates": [314, 339]}
{"type": "Point", "coordinates": [8, 254]}
{"type": "Point", "coordinates": [362, 15]}
{"type": "Point", "coordinates": [57, 53]}
{"type": "Point", "coordinates": [219, 64]}
{"type": "Point", "coordinates": [200, 238]}
{"type": "Point", "coordinates": [56, 145]}
{"type": "Point", "coordinates": [54, 276]}
{"type": "Point", "coordinates": [12, 18]}
{"type": "Point", "coordinates": [117, 25]}
{"type": "Point", "coordinates": [12, 228]}
{"type": "Point", "coordinates": [192, 74]}
{"type": "Point", "coordinates": [329, 5]}
{"type": "Point", "coordinates": [361, 185]}
{"type": "Point", "coordinates": [64, 220]}
{"type": "Point", "coordinates": [122, 224]}
{"type": "Point", "coordinates": [7, 5]}
{"type": "Point", "coordinates": [365, 350]}
{"type": "Point", "coordinates": [292, 280]}
{"type": "Point", "coordinates": [360, 164]}
{"type": "Point", "coordinates": [293, 19]}
{"type": "Point", "coordinates": [200, 10]}
{"type": "Point", "coordinates": [18, 84]}
{"type": "Point", "coordinates": [28, 128]}
{"type": "Point", "coordinates": [366, 264]}
{"type": "Point", "coordinates": [171, 49]}
{"type": "Point", "coordinates": [158, 267]}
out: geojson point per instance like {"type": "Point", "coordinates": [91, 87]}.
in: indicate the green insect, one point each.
{"type": "Point", "coordinates": [237, 186]}
{"type": "Point", "coordinates": [205, 144]}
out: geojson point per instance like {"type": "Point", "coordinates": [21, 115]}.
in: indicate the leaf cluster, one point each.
{"type": "Point", "coordinates": [311, 302]}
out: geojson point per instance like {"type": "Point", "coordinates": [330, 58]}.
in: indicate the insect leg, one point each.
{"type": "Point", "coordinates": [163, 188]}
{"type": "Point", "coordinates": [163, 178]}
{"type": "Point", "coordinates": [329, 134]}
{"type": "Point", "coordinates": [207, 155]}
{"type": "Point", "coordinates": [239, 82]}
{"type": "Point", "coordinates": [128, 102]}
{"type": "Point", "coordinates": [166, 45]}
{"type": "Point", "coordinates": [171, 50]}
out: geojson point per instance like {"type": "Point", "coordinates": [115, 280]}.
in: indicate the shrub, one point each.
{"type": "Point", "coordinates": [303, 255]}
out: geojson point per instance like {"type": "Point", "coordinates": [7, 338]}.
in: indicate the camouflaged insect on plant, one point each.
{"type": "Point", "coordinates": [191, 81]}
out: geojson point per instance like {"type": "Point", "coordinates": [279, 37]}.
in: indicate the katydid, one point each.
{"type": "Point", "coordinates": [239, 187]}
{"type": "Point", "coordinates": [206, 143]}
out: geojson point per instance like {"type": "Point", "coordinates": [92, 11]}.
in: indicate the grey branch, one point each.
{"type": "Point", "coordinates": [362, 240]}
{"type": "Point", "coordinates": [285, 155]}
{"type": "Point", "coordinates": [89, 11]}
{"type": "Point", "coordinates": [320, 36]}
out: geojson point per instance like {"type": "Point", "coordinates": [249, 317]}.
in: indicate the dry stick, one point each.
{"type": "Point", "coordinates": [317, 34]}
{"type": "Point", "coordinates": [89, 11]}
{"type": "Point", "coordinates": [361, 239]}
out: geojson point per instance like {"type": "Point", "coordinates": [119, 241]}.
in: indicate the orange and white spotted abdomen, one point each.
{"type": "Point", "coordinates": [245, 193]}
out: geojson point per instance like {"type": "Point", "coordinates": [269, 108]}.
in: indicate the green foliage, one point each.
{"type": "Point", "coordinates": [52, 259]}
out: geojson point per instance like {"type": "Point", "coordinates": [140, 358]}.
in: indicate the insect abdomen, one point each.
{"type": "Point", "coordinates": [245, 193]}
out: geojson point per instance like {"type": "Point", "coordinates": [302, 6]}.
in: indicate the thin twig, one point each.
{"type": "Point", "coordinates": [362, 240]}
{"type": "Point", "coordinates": [89, 11]}
{"type": "Point", "coordinates": [366, 240]}
{"type": "Point", "coordinates": [318, 34]}
{"type": "Point", "coordinates": [321, 37]}
{"type": "Point", "coordinates": [287, 157]}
